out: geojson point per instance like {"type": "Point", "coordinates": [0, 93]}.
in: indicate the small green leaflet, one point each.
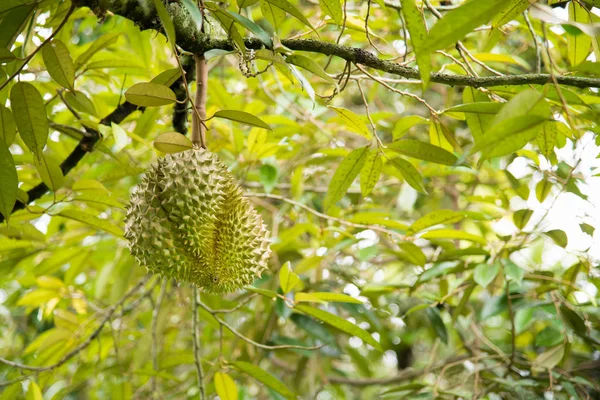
{"type": "Point", "coordinates": [274, 15]}
{"type": "Point", "coordinates": [59, 63]}
{"type": "Point", "coordinates": [437, 323]}
{"type": "Point", "coordinates": [550, 358]}
{"type": "Point", "coordinates": [436, 218]}
{"type": "Point", "coordinates": [225, 386]}
{"type": "Point", "coordinates": [31, 119]}
{"type": "Point", "coordinates": [339, 323]}
{"type": "Point", "coordinates": [344, 175]}
{"type": "Point", "coordinates": [413, 253]}
{"type": "Point", "coordinates": [353, 121]}
{"type": "Point", "coordinates": [331, 297]}
{"type": "Point", "coordinates": [79, 101]}
{"type": "Point", "coordinates": [418, 35]}
{"type": "Point", "coordinates": [409, 173]}
{"type": "Point", "coordinates": [194, 11]}
{"type": "Point", "coordinates": [168, 77]}
{"type": "Point", "coordinates": [148, 94]}
{"type": "Point", "coordinates": [287, 278]}
{"type": "Point", "coordinates": [292, 10]}
{"type": "Point", "coordinates": [453, 234]}
{"type": "Point", "coordinates": [477, 122]}
{"type": "Point", "coordinates": [423, 151]}
{"type": "Point", "coordinates": [242, 117]}
{"type": "Point", "coordinates": [50, 171]}
{"type": "Point", "coordinates": [9, 181]}
{"type": "Point", "coordinates": [521, 218]}
{"type": "Point", "coordinates": [578, 46]}
{"type": "Point", "coordinates": [310, 65]}
{"type": "Point", "coordinates": [252, 27]}
{"type": "Point", "coordinates": [515, 9]}
{"type": "Point", "coordinates": [333, 8]}
{"type": "Point", "coordinates": [34, 392]}
{"type": "Point", "coordinates": [265, 378]}
{"type": "Point", "coordinates": [457, 23]}
{"type": "Point", "coordinates": [166, 21]}
{"type": "Point", "coordinates": [172, 142]}
{"type": "Point", "coordinates": [542, 190]}
{"type": "Point", "coordinates": [484, 274]}
{"type": "Point", "coordinates": [546, 138]}
{"type": "Point", "coordinates": [97, 45]}
{"type": "Point", "coordinates": [92, 221]}
{"type": "Point", "coordinates": [369, 174]}
{"type": "Point", "coordinates": [559, 237]}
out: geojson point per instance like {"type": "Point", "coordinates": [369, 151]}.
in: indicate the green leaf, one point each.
{"type": "Point", "coordinates": [513, 271]}
{"type": "Point", "coordinates": [166, 21]}
{"type": "Point", "coordinates": [59, 63]}
{"type": "Point", "coordinates": [242, 117]}
{"type": "Point", "coordinates": [97, 45]}
{"type": "Point", "coordinates": [439, 217]}
{"type": "Point", "coordinates": [194, 11]}
{"type": "Point", "coordinates": [477, 122]}
{"type": "Point", "coordinates": [172, 142]}
{"type": "Point", "coordinates": [423, 151]}
{"type": "Point", "coordinates": [550, 358]}
{"type": "Point", "coordinates": [92, 221]}
{"type": "Point", "coordinates": [9, 181]}
{"type": "Point", "coordinates": [225, 386]}
{"type": "Point", "coordinates": [333, 8]}
{"type": "Point", "coordinates": [310, 65]}
{"type": "Point", "coordinates": [265, 378]}
{"type": "Point", "coordinates": [457, 23]}
{"type": "Point", "coordinates": [168, 77]}
{"type": "Point", "coordinates": [34, 392]}
{"type": "Point", "coordinates": [587, 228]}
{"type": "Point", "coordinates": [559, 237]}
{"type": "Point", "coordinates": [253, 27]}
{"type": "Point", "coordinates": [335, 297]}
{"type": "Point", "coordinates": [31, 119]}
{"type": "Point", "coordinates": [484, 274]}
{"type": "Point", "coordinates": [573, 320]}
{"type": "Point", "coordinates": [80, 102]}
{"type": "Point", "coordinates": [50, 171]}
{"type": "Point", "coordinates": [339, 323]}
{"type": "Point", "coordinates": [8, 128]}
{"type": "Point", "coordinates": [523, 318]}
{"type": "Point", "coordinates": [516, 8]}
{"type": "Point", "coordinates": [292, 10]}
{"type": "Point", "coordinates": [353, 122]}
{"type": "Point", "coordinates": [453, 234]}
{"type": "Point", "coordinates": [409, 173]}
{"type": "Point", "coordinates": [509, 136]}
{"type": "Point", "coordinates": [264, 292]}
{"type": "Point", "coordinates": [435, 319]}
{"type": "Point", "coordinates": [344, 175]}
{"type": "Point", "coordinates": [578, 46]}
{"type": "Point", "coordinates": [405, 123]}
{"type": "Point", "coordinates": [369, 174]}
{"type": "Point", "coordinates": [418, 36]}
{"type": "Point", "coordinates": [276, 16]}
{"type": "Point", "coordinates": [546, 138]}
{"type": "Point", "coordinates": [548, 337]}
{"type": "Point", "coordinates": [268, 176]}
{"type": "Point", "coordinates": [148, 94]}
{"type": "Point", "coordinates": [287, 278]}
{"type": "Point", "coordinates": [542, 190]}
{"type": "Point", "coordinates": [120, 135]}
{"type": "Point", "coordinates": [84, 185]}
{"type": "Point", "coordinates": [521, 218]}
{"type": "Point", "coordinates": [413, 253]}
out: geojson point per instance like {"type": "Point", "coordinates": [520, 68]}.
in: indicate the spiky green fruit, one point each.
{"type": "Point", "coordinates": [187, 220]}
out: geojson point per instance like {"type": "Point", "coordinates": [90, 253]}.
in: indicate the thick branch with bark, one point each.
{"type": "Point", "coordinates": [142, 12]}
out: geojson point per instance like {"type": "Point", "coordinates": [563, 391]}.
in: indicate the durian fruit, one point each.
{"type": "Point", "coordinates": [187, 220]}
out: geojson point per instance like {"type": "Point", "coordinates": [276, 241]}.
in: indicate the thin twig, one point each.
{"type": "Point", "coordinates": [155, 312]}
{"type": "Point", "coordinates": [196, 339]}
{"type": "Point", "coordinates": [513, 333]}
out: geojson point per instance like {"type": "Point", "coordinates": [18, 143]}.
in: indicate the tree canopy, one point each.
{"type": "Point", "coordinates": [428, 171]}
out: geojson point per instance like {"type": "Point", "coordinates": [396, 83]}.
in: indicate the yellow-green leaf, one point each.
{"type": "Point", "coordinates": [438, 217]}
{"type": "Point", "coordinates": [542, 190]}
{"type": "Point", "coordinates": [287, 278]}
{"type": "Point", "coordinates": [418, 36]}
{"type": "Point", "coordinates": [559, 237]}
{"type": "Point", "coordinates": [369, 174]}
{"type": "Point", "coordinates": [225, 386]}
{"type": "Point", "coordinates": [546, 138]}
{"type": "Point", "coordinates": [166, 21]}
{"type": "Point", "coordinates": [50, 171]}
{"type": "Point", "coordinates": [521, 218]}
{"type": "Point", "coordinates": [333, 8]}
{"type": "Point", "coordinates": [292, 10]}
{"type": "Point", "coordinates": [49, 282]}
{"type": "Point", "coordinates": [79, 101]}
{"type": "Point", "coordinates": [59, 63]}
{"type": "Point", "coordinates": [265, 378]}
{"type": "Point", "coordinates": [310, 65]}
{"type": "Point", "coordinates": [168, 77]}
{"type": "Point", "coordinates": [409, 173]}
{"type": "Point", "coordinates": [578, 46]}
{"type": "Point", "coordinates": [37, 297]}
{"type": "Point", "coordinates": [9, 181]}
{"type": "Point", "coordinates": [92, 221]}
{"type": "Point", "coordinates": [344, 175]}
{"type": "Point", "coordinates": [8, 128]}
{"type": "Point", "coordinates": [353, 122]}
{"type": "Point", "coordinates": [34, 392]}
{"type": "Point", "coordinates": [453, 234]}
{"type": "Point", "coordinates": [148, 94]}
{"type": "Point", "coordinates": [550, 358]}
{"type": "Point", "coordinates": [97, 45]}
{"type": "Point", "coordinates": [339, 323]}
{"type": "Point", "coordinates": [242, 117]}
{"type": "Point", "coordinates": [172, 142]}
{"type": "Point", "coordinates": [335, 297]}
{"type": "Point", "coordinates": [31, 118]}
{"type": "Point", "coordinates": [423, 151]}
{"type": "Point", "coordinates": [84, 185]}
{"type": "Point", "coordinates": [484, 274]}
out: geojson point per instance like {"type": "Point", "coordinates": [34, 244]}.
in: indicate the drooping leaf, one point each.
{"type": "Point", "coordinates": [438, 217]}
{"type": "Point", "coordinates": [34, 392]}
{"type": "Point", "coordinates": [59, 63]}
{"type": "Point", "coordinates": [50, 171]}
{"type": "Point", "coordinates": [288, 279]}
{"type": "Point", "coordinates": [418, 36]}
{"type": "Point", "coordinates": [264, 377]}
{"type": "Point", "coordinates": [423, 151]}
{"type": "Point", "coordinates": [435, 319]}
{"type": "Point", "coordinates": [8, 128]}
{"type": "Point", "coordinates": [559, 237]}
{"type": "Point", "coordinates": [149, 94]}
{"type": "Point", "coordinates": [542, 190]}
{"type": "Point", "coordinates": [339, 323]}
{"type": "Point", "coordinates": [97, 45]}
{"type": "Point", "coordinates": [253, 27]}
{"type": "Point", "coordinates": [369, 174]}
{"type": "Point", "coordinates": [333, 8]}
{"type": "Point", "coordinates": [484, 274]}
{"type": "Point", "coordinates": [172, 142]}
{"type": "Point", "coordinates": [353, 122]}
{"type": "Point", "coordinates": [168, 77]}
{"type": "Point", "coordinates": [309, 65]}
{"type": "Point", "coordinates": [550, 358]}
{"type": "Point", "coordinates": [92, 221]}
{"type": "Point", "coordinates": [546, 138]}
{"type": "Point", "coordinates": [453, 234]}
{"type": "Point", "coordinates": [80, 102]}
{"type": "Point", "coordinates": [9, 181]}
{"type": "Point", "coordinates": [335, 297]}
{"type": "Point", "coordinates": [165, 20]}
{"type": "Point", "coordinates": [344, 175]}
{"type": "Point", "coordinates": [292, 10]}
{"type": "Point", "coordinates": [578, 45]}
{"type": "Point", "coordinates": [513, 10]}
{"type": "Point", "coordinates": [225, 386]}
{"type": "Point", "coordinates": [521, 217]}
{"type": "Point", "coordinates": [31, 119]}
{"type": "Point", "coordinates": [409, 173]}
{"type": "Point", "coordinates": [194, 11]}
{"type": "Point", "coordinates": [242, 117]}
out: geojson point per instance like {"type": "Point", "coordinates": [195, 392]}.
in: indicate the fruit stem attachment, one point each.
{"type": "Point", "coordinates": [199, 116]}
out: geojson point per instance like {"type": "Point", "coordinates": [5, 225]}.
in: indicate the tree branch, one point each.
{"type": "Point", "coordinates": [196, 42]}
